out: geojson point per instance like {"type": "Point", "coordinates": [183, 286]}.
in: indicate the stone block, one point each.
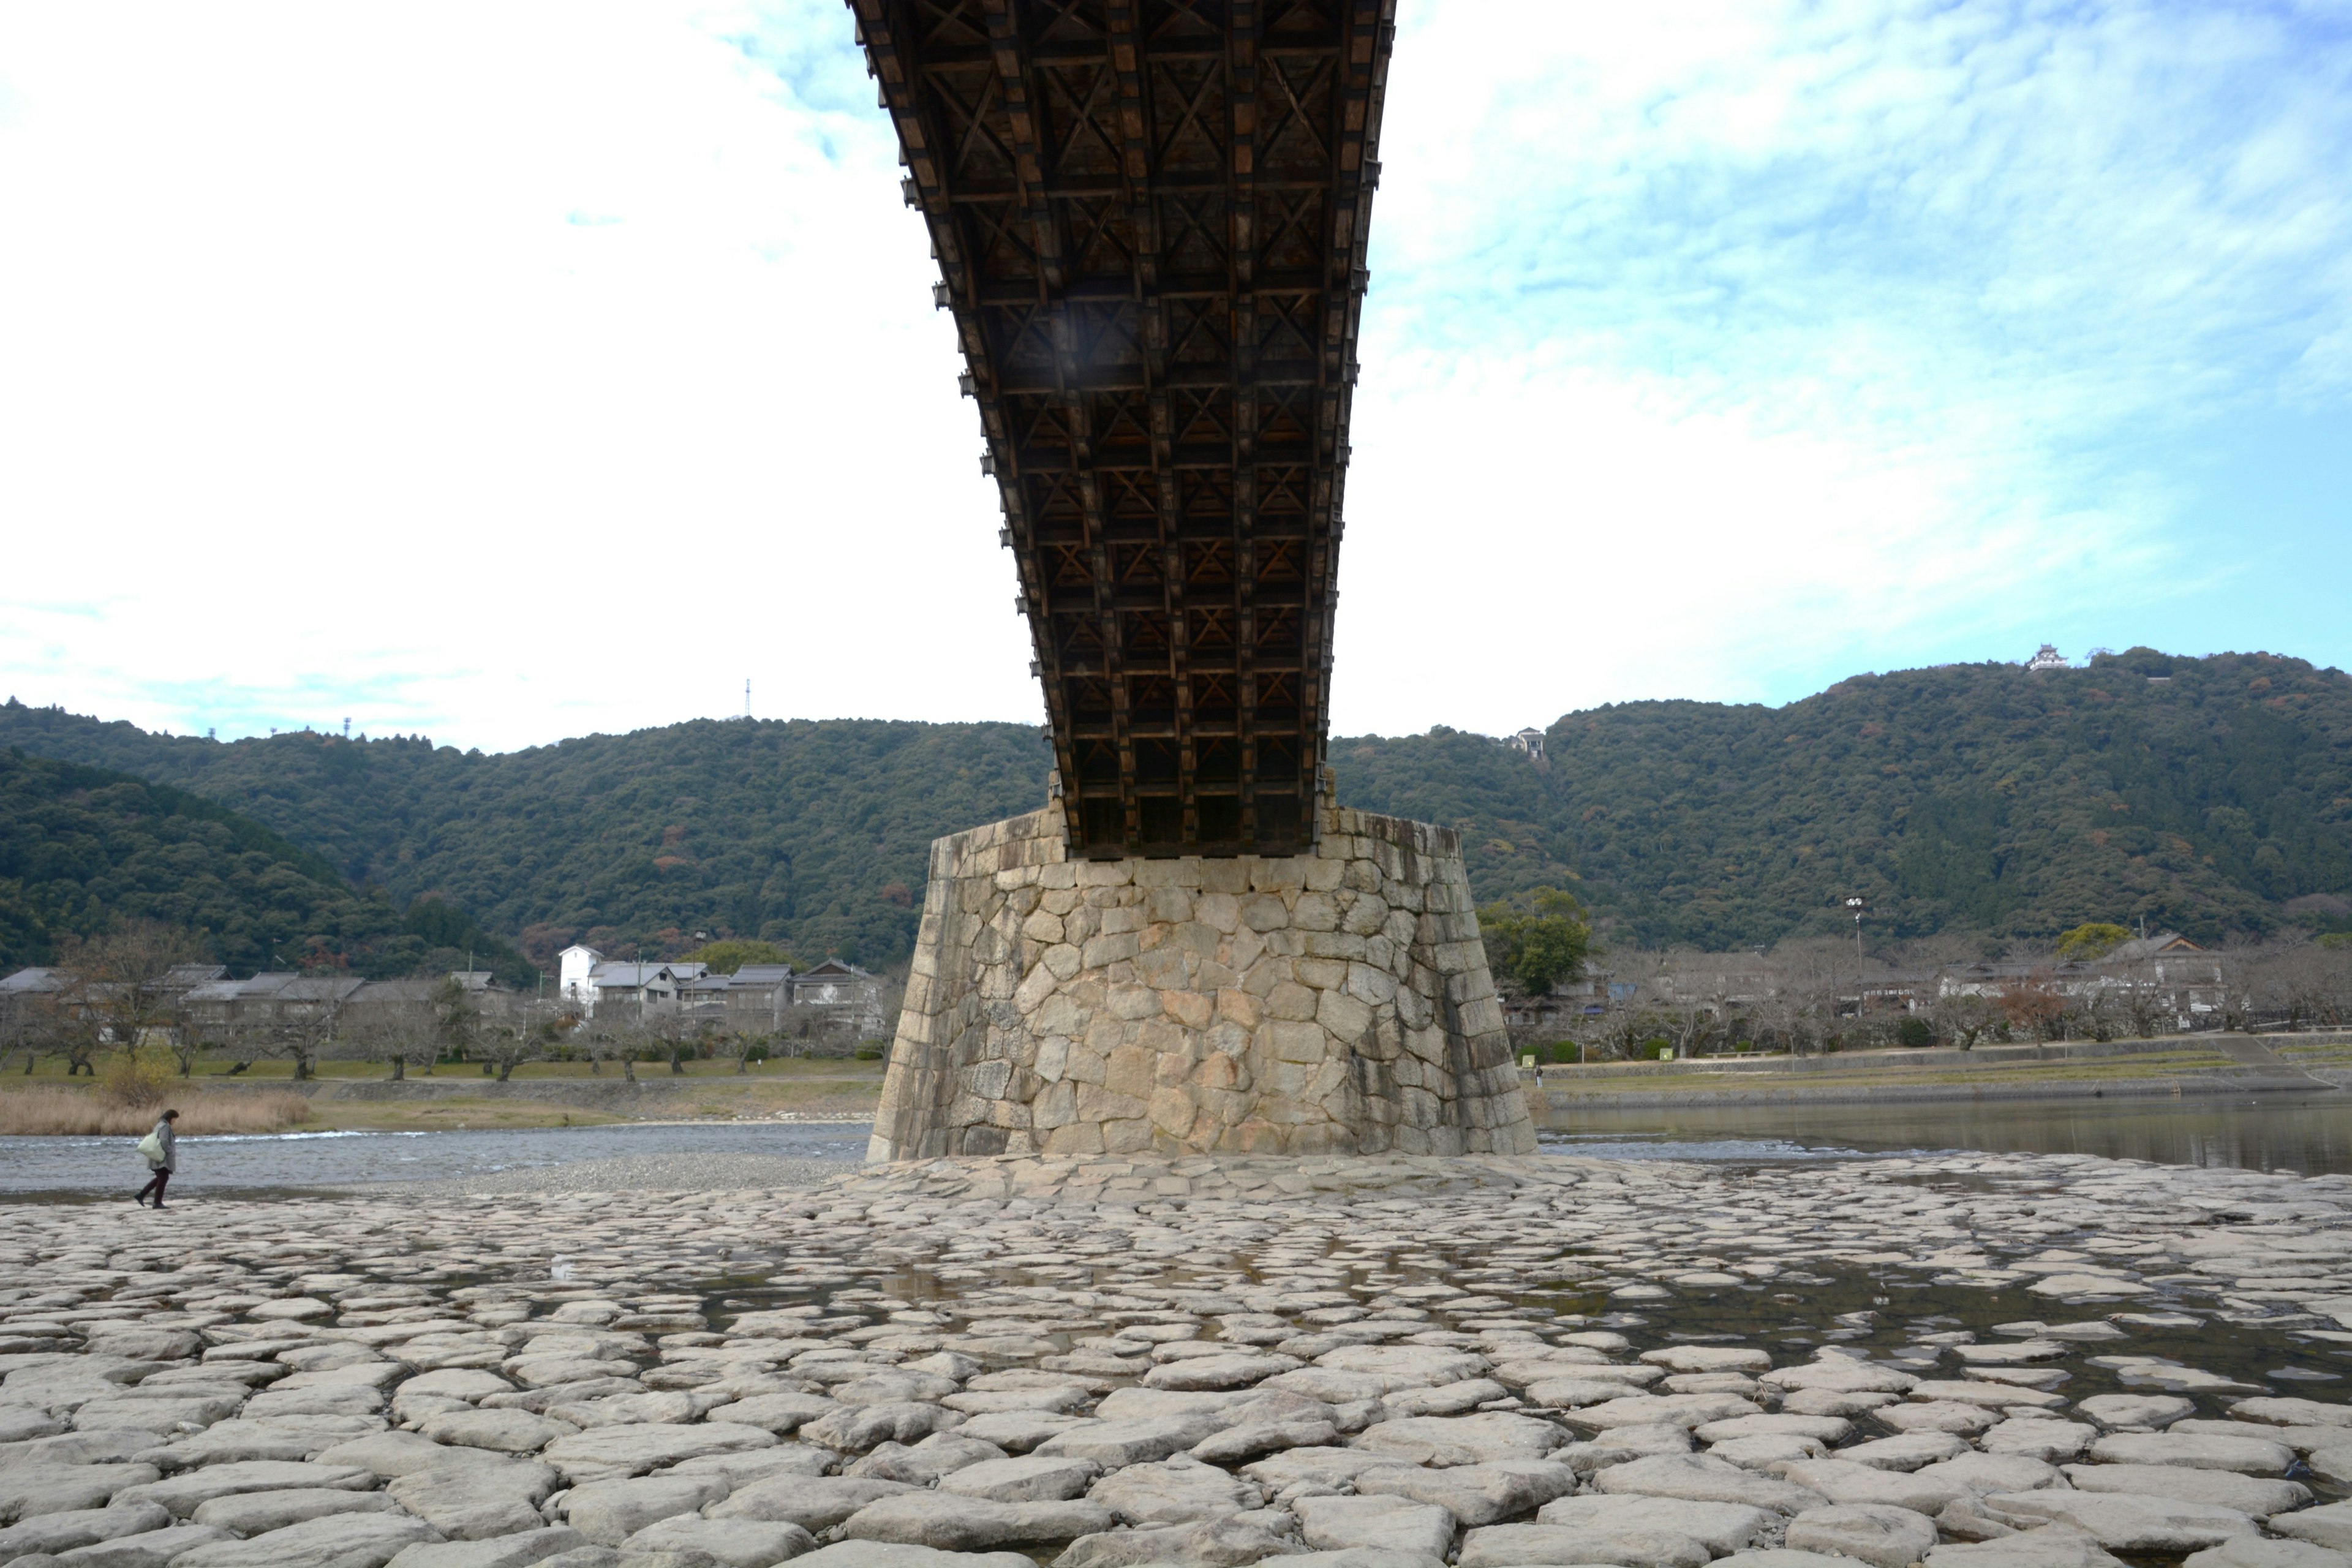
{"type": "Point", "coordinates": [1257, 1004]}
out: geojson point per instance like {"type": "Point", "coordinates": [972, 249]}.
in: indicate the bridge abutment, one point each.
{"type": "Point", "coordinates": [1337, 1001]}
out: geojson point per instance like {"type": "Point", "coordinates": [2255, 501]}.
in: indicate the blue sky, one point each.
{"type": "Point", "coordinates": [507, 372]}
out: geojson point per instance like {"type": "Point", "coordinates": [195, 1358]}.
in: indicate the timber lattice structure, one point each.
{"type": "Point", "coordinates": [1149, 217]}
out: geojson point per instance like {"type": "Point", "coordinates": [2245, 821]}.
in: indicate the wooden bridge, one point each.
{"type": "Point", "coordinates": [1150, 219]}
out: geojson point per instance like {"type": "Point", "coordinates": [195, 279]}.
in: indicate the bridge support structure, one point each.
{"type": "Point", "coordinates": [1335, 1001]}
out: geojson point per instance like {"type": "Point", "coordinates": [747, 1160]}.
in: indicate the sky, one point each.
{"type": "Point", "coordinates": [507, 371]}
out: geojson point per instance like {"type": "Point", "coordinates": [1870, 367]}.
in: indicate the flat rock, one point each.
{"type": "Point", "coordinates": [1406, 1366]}
{"type": "Point", "coordinates": [1019, 1431]}
{"type": "Point", "coordinates": [1480, 1494]}
{"type": "Point", "coordinates": [1936, 1415]}
{"type": "Point", "coordinates": [895, 1554]}
{"type": "Point", "coordinates": [1031, 1477]}
{"type": "Point", "coordinates": [2053, 1442]}
{"type": "Point", "coordinates": [1231, 1370]}
{"type": "Point", "coordinates": [390, 1454]}
{"type": "Point", "coordinates": [1875, 1533]}
{"type": "Point", "coordinates": [2329, 1525]}
{"type": "Point", "coordinates": [2125, 1521]}
{"type": "Point", "coordinates": [1823, 1428]}
{"type": "Point", "coordinates": [814, 1502]}
{"type": "Point", "coordinates": [1720, 1527]}
{"type": "Point", "coordinates": [1524, 1545]}
{"type": "Point", "coordinates": [1179, 1491]}
{"type": "Point", "coordinates": [609, 1513]}
{"type": "Point", "coordinates": [742, 1469]}
{"type": "Point", "coordinates": [2136, 1412]}
{"type": "Point", "coordinates": [854, 1428]}
{"type": "Point", "coordinates": [292, 1438]}
{"type": "Point", "coordinates": [1909, 1451]}
{"type": "Point", "coordinates": [182, 1493]}
{"type": "Point", "coordinates": [2048, 1546]}
{"type": "Point", "coordinates": [1709, 1358]}
{"type": "Point", "coordinates": [1843, 1374]}
{"type": "Point", "coordinates": [1114, 1445]}
{"type": "Point", "coordinates": [454, 1382]}
{"type": "Point", "coordinates": [2284, 1412]}
{"type": "Point", "coordinates": [1237, 1445]}
{"type": "Point", "coordinates": [1336, 1524]}
{"type": "Point", "coordinates": [1976, 1474]}
{"type": "Point", "coordinates": [972, 1524]}
{"type": "Point", "coordinates": [1702, 1478]}
{"type": "Point", "coordinates": [255, 1513]}
{"type": "Point", "coordinates": [501, 1431]}
{"type": "Point", "coordinates": [28, 1490]}
{"type": "Point", "coordinates": [1460, 1439]}
{"type": "Point", "coordinates": [1650, 1409]}
{"type": "Point", "coordinates": [1840, 1482]}
{"type": "Point", "coordinates": [1334, 1467]}
{"type": "Point", "coordinates": [57, 1532]}
{"type": "Point", "coordinates": [734, 1542]}
{"type": "Point", "coordinates": [2247, 1551]}
{"type": "Point", "coordinates": [345, 1541]}
{"type": "Point", "coordinates": [2248, 1494]}
{"type": "Point", "coordinates": [517, 1551]}
{"type": "Point", "coordinates": [610, 1453]}
{"type": "Point", "coordinates": [1229, 1543]}
{"type": "Point", "coordinates": [1362, 1557]}
{"type": "Point", "coordinates": [153, 1549]}
{"type": "Point", "coordinates": [777, 1412]}
{"type": "Point", "coordinates": [2246, 1456]}
{"type": "Point", "coordinates": [477, 1501]}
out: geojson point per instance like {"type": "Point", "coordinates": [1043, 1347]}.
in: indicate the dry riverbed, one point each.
{"type": "Point", "coordinates": [1974, 1361]}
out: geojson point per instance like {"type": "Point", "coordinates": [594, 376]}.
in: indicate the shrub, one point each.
{"type": "Point", "coordinates": [1914, 1032]}
{"type": "Point", "coordinates": [138, 1079]}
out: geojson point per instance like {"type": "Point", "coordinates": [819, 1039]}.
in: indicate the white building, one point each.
{"type": "Point", "coordinates": [587, 978]}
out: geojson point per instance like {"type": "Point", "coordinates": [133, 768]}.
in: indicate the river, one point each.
{"type": "Point", "coordinates": [2311, 1134]}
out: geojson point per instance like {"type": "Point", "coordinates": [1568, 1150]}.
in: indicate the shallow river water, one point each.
{"type": "Point", "coordinates": [2310, 1134]}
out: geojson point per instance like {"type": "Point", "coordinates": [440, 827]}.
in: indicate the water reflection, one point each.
{"type": "Point", "coordinates": [2311, 1134]}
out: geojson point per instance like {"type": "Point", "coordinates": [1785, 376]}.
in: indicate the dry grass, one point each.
{"type": "Point", "coordinates": [64, 1112]}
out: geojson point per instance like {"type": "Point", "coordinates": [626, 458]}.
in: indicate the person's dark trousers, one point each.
{"type": "Point", "coordinates": [162, 1179]}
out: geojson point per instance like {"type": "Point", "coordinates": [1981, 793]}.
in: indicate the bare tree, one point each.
{"type": "Point", "coordinates": [615, 1038]}
{"type": "Point", "coordinates": [301, 1033]}
{"type": "Point", "coordinates": [1963, 1017]}
{"type": "Point", "coordinates": [119, 992]}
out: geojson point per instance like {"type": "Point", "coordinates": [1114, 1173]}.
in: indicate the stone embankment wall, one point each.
{"type": "Point", "coordinates": [1332, 1001]}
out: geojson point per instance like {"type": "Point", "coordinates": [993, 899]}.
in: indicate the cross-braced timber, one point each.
{"type": "Point", "coordinates": [1150, 219]}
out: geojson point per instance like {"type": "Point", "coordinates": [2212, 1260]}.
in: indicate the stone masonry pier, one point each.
{"type": "Point", "coordinates": [1331, 1002]}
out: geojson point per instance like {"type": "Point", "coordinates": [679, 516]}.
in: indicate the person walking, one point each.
{"type": "Point", "coordinates": [161, 1149]}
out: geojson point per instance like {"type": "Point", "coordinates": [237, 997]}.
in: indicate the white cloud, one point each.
{"type": "Point", "coordinates": [1722, 349]}
{"type": "Point", "coordinates": [315, 385]}
{"type": "Point", "coordinates": [507, 372]}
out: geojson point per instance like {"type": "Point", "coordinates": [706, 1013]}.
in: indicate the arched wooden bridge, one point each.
{"type": "Point", "coordinates": [1150, 219]}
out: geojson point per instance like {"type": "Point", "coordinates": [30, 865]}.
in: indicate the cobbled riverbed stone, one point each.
{"type": "Point", "coordinates": [1207, 1362]}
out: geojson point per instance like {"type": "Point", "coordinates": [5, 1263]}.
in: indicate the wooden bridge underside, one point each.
{"type": "Point", "coordinates": [1150, 219]}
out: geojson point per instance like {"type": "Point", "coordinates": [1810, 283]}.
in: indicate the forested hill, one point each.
{"type": "Point", "coordinates": [2212, 795]}
{"type": "Point", "coordinates": [2215, 795]}
{"type": "Point", "coordinates": [816, 836]}
{"type": "Point", "coordinates": [83, 848]}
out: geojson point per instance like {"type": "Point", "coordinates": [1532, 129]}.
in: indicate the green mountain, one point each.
{"type": "Point", "coordinates": [83, 847]}
{"type": "Point", "coordinates": [2213, 795]}
{"type": "Point", "coordinates": [814, 836]}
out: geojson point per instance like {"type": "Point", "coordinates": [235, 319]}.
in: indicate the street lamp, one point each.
{"type": "Point", "coordinates": [1855, 904]}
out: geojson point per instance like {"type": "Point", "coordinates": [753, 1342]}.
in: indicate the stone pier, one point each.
{"type": "Point", "coordinates": [1331, 1002]}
